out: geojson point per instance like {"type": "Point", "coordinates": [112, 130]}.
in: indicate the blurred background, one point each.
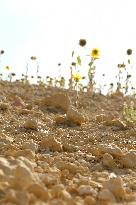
{"type": "Point", "coordinates": [51, 29]}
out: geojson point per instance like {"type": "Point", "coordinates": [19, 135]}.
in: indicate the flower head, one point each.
{"type": "Point", "coordinates": [77, 77]}
{"type": "Point", "coordinates": [95, 53]}
{"type": "Point", "coordinates": [33, 58]}
{"type": "Point", "coordinates": [7, 68]}
{"type": "Point", "coordinates": [121, 65]}
{"type": "Point", "coordinates": [73, 64]}
{"type": "Point", "coordinates": [13, 74]}
{"type": "Point", "coordinates": [129, 51]}
{"type": "Point", "coordinates": [82, 42]}
{"type": "Point", "coordinates": [2, 52]}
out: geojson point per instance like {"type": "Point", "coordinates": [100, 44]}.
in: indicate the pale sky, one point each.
{"type": "Point", "coordinates": [51, 29]}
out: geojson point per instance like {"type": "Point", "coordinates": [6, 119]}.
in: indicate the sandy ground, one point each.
{"type": "Point", "coordinates": [54, 153]}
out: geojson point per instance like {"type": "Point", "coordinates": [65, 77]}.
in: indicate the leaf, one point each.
{"type": "Point", "coordinates": [73, 53]}
{"type": "Point", "coordinates": [83, 77]}
{"type": "Point", "coordinates": [129, 61]}
{"type": "Point", "coordinates": [91, 63]}
{"type": "Point", "coordinates": [78, 60]}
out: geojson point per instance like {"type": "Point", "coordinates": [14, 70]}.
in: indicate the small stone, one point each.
{"type": "Point", "coordinates": [58, 202]}
{"type": "Point", "coordinates": [56, 190]}
{"type": "Point", "coordinates": [74, 117]}
{"type": "Point", "coordinates": [23, 175]}
{"type": "Point", "coordinates": [90, 200]}
{"type": "Point", "coordinates": [5, 166]}
{"type": "Point", "coordinates": [17, 101]}
{"type": "Point", "coordinates": [115, 185]}
{"type": "Point", "coordinates": [60, 119]}
{"type": "Point", "coordinates": [129, 160]}
{"type": "Point", "coordinates": [73, 168]}
{"type": "Point", "coordinates": [30, 145]}
{"type": "Point", "coordinates": [31, 124]}
{"type": "Point", "coordinates": [103, 118]}
{"type": "Point", "coordinates": [39, 191]}
{"type": "Point", "coordinates": [57, 100]}
{"type": "Point", "coordinates": [50, 179]}
{"type": "Point", "coordinates": [65, 195]}
{"type": "Point", "coordinates": [24, 111]}
{"type": "Point", "coordinates": [108, 161]}
{"type": "Point", "coordinates": [51, 143]}
{"type": "Point", "coordinates": [21, 159]}
{"type": "Point", "coordinates": [2, 175]}
{"type": "Point", "coordinates": [117, 123]}
{"type": "Point", "coordinates": [86, 190]}
{"type": "Point", "coordinates": [4, 106]}
{"type": "Point", "coordinates": [26, 153]}
{"type": "Point", "coordinates": [22, 197]}
{"type": "Point", "coordinates": [106, 196]}
{"type": "Point", "coordinates": [111, 149]}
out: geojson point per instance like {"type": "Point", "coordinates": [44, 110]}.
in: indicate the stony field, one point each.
{"type": "Point", "coordinates": [53, 152]}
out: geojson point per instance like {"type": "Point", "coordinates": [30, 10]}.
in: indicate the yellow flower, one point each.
{"type": "Point", "coordinates": [33, 58]}
{"type": "Point", "coordinates": [129, 51]}
{"type": "Point", "coordinates": [7, 68]}
{"type": "Point", "coordinates": [77, 77]}
{"type": "Point", "coordinates": [95, 53]}
{"type": "Point", "coordinates": [82, 42]}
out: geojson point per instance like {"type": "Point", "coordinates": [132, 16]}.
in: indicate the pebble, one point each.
{"type": "Point", "coordinates": [106, 196]}
{"type": "Point", "coordinates": [57, 100]}
{"type": "Point", "coordinates": [129, 159]}
{"type": "Point", "coordinates": [74, 116]}
{"type": "Point", "coordinates": [108, 161]}
{"type": "Point", "coordinates": [31, 124]}
{"type": "Point", "coordinates": [86, 190]}
{"type": "Point", "coordinates": [51, 143]}
{"type": "Point", "coordinates": [115, 186]}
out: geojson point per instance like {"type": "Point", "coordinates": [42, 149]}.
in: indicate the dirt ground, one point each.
{"type": "Point", "coordinates": [53, 152]}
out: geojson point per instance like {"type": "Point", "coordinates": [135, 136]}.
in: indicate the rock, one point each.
{"type": "Point", "coordinates": [117, 123]}
{"type": "Point", "coordinates": [22, 197]}
{"type": "Point", "coordinates": [5, 166]}
{"type": "Point", "coordinates": [16, 197]}
{"type": "Point", "coordinates": [129, 159]}
{"type": "Point", "coordinates": [115, 186]}
{"type": "Point", "coordinates": [23, 176]}
{"type": "Point", "coordinates": [106, 196]}
{"type": "Point", "coordinates": [86, 190]}
{"type": "Point", "coordinates": [65, 195]}
{"type": "Point", "coordinates": [58, 100]}
{"type": "Point", "coordinates": [50, 179]}
{"type": "Point", "coordinates": [51, 143]}
{"type": "Point", "coordinates": [26, 153]}
{"type": "Point", "coordinates": [111, 149]}
{"type": "Point", "coordinates": [90, 200]}
{"type": "Point", "coordinates": [56, 190]}
{"type": "Point", "coordinates": [22, 111]}
{"type": "Point", "coordinates": [60, 119]}
{"type": "Point", "coordinates": [39, 191]}
{"type": "Point", "coordinates": [103, 118]}
{"type": "Point", "coordinates": [2, 175]}
{"type": "Point", "coordinates": [31, 165]}
{"type": "Point", "coordinates": [4, 106]}
{"type": "Point", "coordinates": [108, 161]}
{"type": "Point", "coordinates": [17, 101]}
{"type": "Point", "coordinates": [30, 145]}
{"type": "Point", "coordinates": [67, 166]}
{"type": "Point", "coordinates": [74, 117]}
{"type": "Point", "coordinates": [6, 140]}
{"type": "Point", "coordinates": [31, 124]}
{"type": "Point", "coordinates": [58, 202]}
